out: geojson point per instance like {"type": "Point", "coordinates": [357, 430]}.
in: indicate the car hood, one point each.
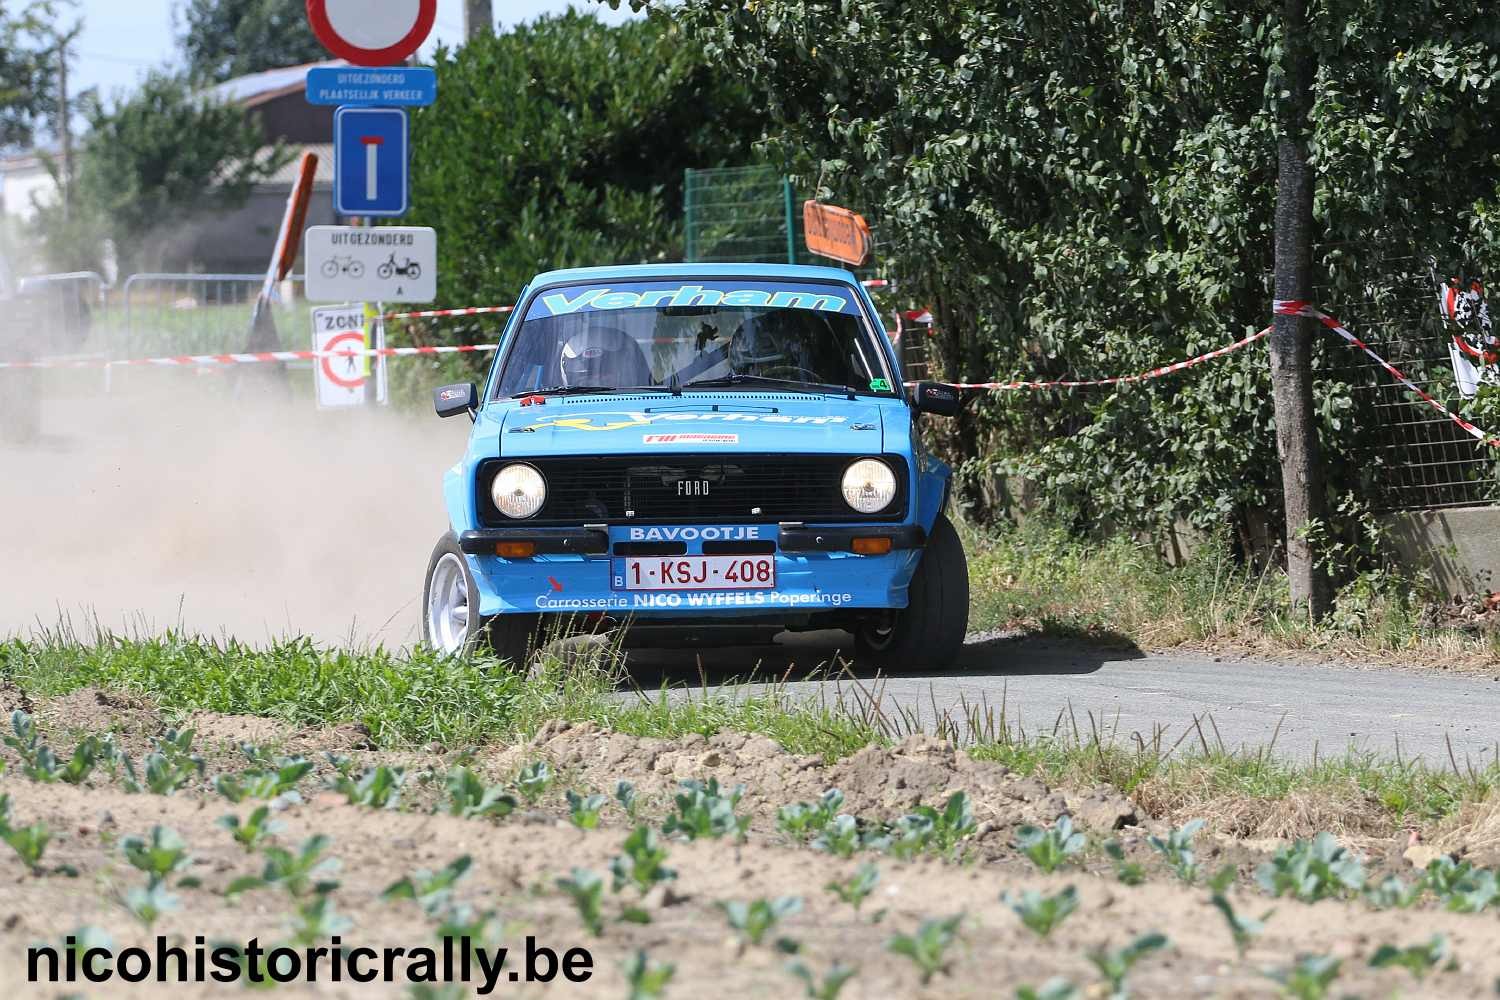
{"type": "Point", "coordinates": [730, 422]}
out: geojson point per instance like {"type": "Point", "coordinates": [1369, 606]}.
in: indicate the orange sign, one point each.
{"type": "Point", "coordinates": [836, 232]}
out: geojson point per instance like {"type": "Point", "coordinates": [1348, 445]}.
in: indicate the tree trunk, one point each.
{"type": "Point", "coordinates": [1291, 337]}
{"type": "Point", "coordinates": [479, 18]}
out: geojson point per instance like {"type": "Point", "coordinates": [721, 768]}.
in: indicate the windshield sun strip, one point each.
{"type": "Point", "coordinates": [518, 319]}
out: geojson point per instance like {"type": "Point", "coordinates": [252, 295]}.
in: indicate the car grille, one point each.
{"type": "Point", "coordinates": [651, 490]}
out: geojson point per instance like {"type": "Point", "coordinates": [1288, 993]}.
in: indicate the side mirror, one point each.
{"type": "Point", "coordinates": [938, 399]}
{"type": "Point", "coordinates": [451, 400]}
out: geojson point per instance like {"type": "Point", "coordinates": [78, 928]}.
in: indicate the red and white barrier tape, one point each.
{"type": "Point", "coordinates": [1298, 307]}
{"type": "Point", "coordinates": [1120, 379]}
{"type": "Point", "coordinates": [251, 359]}
{"type": "Point", "coordinates": [447, 313]}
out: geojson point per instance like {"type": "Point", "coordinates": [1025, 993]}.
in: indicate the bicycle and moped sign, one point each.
{"type": "Point", "coordinates": [384, 264]}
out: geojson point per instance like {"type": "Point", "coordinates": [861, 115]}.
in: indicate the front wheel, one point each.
{"type": "Point", "coordinates": [451, 622]}
{"type": "Point", "coordinates": [384, 272]}
{"type": "Point", "coordinates": [330, 269]}
{"type": "Point", "coordinates": [930, 631]}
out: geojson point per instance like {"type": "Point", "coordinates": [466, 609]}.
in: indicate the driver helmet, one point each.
{"type": "Point", "coordinates": [758, 346]}
{"type": "Point", "coordinates": [603, 356]}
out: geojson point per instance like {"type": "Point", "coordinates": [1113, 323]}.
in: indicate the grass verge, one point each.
{"type": "Point", "coordinates": [413, 698]}
{"type": "Point", "coordinates": [1041, 578]}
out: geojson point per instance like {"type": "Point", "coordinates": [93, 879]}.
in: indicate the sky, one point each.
{"type": "Point", "coordinates": [121, 40]}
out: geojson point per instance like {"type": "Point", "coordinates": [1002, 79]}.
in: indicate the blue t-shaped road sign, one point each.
{"type": "Point", "coordinates": [371, 162]}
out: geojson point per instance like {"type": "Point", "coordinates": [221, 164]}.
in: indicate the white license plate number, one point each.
{"type": "Point", "coordinates": [696, 573]}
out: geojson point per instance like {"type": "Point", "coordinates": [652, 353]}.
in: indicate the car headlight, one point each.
{"type": "Point", "coordinates": [869, 486]}
{"type": "Point", "coordinates": [518, 491]}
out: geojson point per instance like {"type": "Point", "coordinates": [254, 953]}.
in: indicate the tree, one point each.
{"type": "Point", "coordinates": [1087, 188]}
{"type": "Point", "coordinates": [1292, 336]}
{"type": "Point", "coordinates": [563, 143]}
{"type": "Point", "coordinates": [148, 163]}
{"type": "Point", "coordinates": [223, 39]}
{"type": "Point", "coordinates": [28, 70]}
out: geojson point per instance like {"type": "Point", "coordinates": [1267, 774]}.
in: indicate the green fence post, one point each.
{"type": "Point", "coordinates": [791, 227]}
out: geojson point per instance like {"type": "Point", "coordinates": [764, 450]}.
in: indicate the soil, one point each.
{"type": "Point", "coordinates": [518, 859]}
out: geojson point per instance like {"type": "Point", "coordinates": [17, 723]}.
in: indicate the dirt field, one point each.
{"type": "Point", "coordinates": [516, 861]}
{"type": "Point", "coordinates": [185, 503]}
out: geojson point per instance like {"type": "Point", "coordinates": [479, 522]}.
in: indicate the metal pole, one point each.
{"type": "Point", "coordinates": [791, 226]}
{"type": "Point", "coordinates": [479, 18]}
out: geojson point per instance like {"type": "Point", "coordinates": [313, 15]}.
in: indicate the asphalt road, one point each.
{"type": "Point", "coordinates": [1297, 709]}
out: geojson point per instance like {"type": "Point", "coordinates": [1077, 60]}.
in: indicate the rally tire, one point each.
{"type": "Point", "coordinates": [929, 632]}
{"type": "Point", "coordinates": [451, 622]}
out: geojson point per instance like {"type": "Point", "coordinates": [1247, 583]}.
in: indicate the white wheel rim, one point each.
{"type": "Point", "coordinates": [448, 605]}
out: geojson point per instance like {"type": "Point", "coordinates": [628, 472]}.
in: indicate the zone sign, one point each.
{"type": "Point", "coordinates": [372, 32]}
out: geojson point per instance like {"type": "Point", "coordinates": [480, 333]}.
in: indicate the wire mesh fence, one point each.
{"type": "Point", "coordinates": [1409, 456]}
{"type": "Point", "coordinates": [741, 214]}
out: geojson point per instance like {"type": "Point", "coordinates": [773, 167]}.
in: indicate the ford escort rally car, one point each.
{"type": "Point", "coordinates": [697, 452]}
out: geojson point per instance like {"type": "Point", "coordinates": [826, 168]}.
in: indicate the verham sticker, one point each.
{"type": "Point", "coordinates": [692, 439]}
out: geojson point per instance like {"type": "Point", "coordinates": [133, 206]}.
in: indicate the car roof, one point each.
{"type": "Point", "coordinates": [636, 272]}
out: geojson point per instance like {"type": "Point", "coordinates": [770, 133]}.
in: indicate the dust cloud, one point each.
{"type": "Point", "coordinates": [220, 504]}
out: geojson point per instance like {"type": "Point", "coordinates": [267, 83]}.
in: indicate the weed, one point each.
{"type": "Point", "coordinates": [159, 856]}
{"type": "Point", "coordinates": [463, 923]}
{"type": "Point", "coordinates": [753, 920]}
{"type": "Point", "coordinates": [279, 779]}
{"type": "Point", "coordinates": [841, 837]}
{"type": "Point", "coordinates": [643, 863]}
{"type": "Point", "coordinates": [28, 745]}
{"type": "Point", "coordinates": [703, 812]}
{"type": "Point", "coordinates": [148, 903]}
{"type": "Point", "coordinates": [317, 920]}
{"type": "Point", "coordinates": [803, 820]}
{"type": "Point", "coordinates": [431, 890]}
{"type": "Point", "coordinates": [1462, 887]}
{"type": "Point", "coordinates": [928, 947]}
{"type": "Point", "coordinates": [297, 873]}
{"type": "Point", "coordinates": [534, 780]}
{"type": "Point", "coordinates": [626, 797]}
{"type": "Point", "coordinates": [1392, 893]}
{"type": "Point", "coordinates": [926, 828]}
{"type": "Point", "coordinates": [1128, 872]}
{"type": "Point", "coordinates": [1312, 870]}
{"type": "Point", "coordinates": [583, 811]}
{"type": "Point", "coordinates": [1052, 989]}
{"type": "Point", "coordinates": [1418, 959]}
{"type": "Point", "coordinates": [854, 889]}
{"type": "Point", "coordinates": [1177, 848]}
{"type": "Point", "coordinates": [1050, 848]}
{"type": "Point", "coordinates": [253, 830]}
{"type": "Point", "coordinates": [833, 980]}
{"type": "Point", "coordinates": [29, 843]}
{"type": "Point", "coordinates": [470, 797]}
{"type": "Point", "coordinates": [1309, 979]}
{"type": "Point", "coordinates": [1114, 966]}
{"type": "Point", "coordinates": [587, 892]}
{"type": "Point", "coordinates": [1042, 914]}
{"type": "Point", "coordinates": [1242, 928]}
{"type": "Point", "coordinates": [378, 788]}
{"type": "Point", "coordinates": [647, 979]}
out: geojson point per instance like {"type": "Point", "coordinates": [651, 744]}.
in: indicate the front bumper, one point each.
{"type": "Point", "coordinates": [577, 570]}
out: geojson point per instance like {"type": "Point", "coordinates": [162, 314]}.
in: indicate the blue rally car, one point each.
{"type": "Point", "coordinates": [698, 453]}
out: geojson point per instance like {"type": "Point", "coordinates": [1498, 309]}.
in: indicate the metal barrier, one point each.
{"type": "Point", "coordinates": [175, 314]}
{"type": "Point", "coordinates": [64, 309]}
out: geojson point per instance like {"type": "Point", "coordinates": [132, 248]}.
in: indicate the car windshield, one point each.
{"type": "Point", "coordinates": [667, 335]}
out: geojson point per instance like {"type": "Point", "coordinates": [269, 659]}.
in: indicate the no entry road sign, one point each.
{"type": "Point", "coordinates": [372, 174]}
{"type": "Point", "coordinates": [372, 34]}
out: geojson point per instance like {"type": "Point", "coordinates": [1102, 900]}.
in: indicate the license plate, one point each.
{"type": "Point", "coordinates": [696, 573]}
